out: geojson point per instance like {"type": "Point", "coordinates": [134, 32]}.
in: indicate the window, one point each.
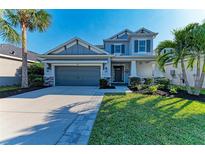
{"type": "Point", "coordinates": [142, 44]}
{"type": "Point", "coordinates": [117, 48]}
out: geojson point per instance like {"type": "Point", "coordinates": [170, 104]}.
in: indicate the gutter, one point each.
{"type": "Point", "coordinates": [15, 58]}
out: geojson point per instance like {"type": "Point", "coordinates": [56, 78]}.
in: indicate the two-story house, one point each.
{"type": "Point", "coordinates": [124, 55]}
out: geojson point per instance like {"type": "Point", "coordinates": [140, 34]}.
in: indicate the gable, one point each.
{"type": "Point", "coordinates": [76, 49]}
{"type": "Point", "coordinates": [121, 35]}
{"type": "Point", "coordinates": [77, 46]}
{"type": "Point", "coordinates": [146, 32]}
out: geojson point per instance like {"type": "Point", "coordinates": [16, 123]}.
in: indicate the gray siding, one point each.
{"type": "Point", "coordinates": [78, 50]}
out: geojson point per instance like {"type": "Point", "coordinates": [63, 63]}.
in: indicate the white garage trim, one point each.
{"type": "Point", "coordinates": [75, 62]}
{"type": "Point", "coordinates": [54, 65]}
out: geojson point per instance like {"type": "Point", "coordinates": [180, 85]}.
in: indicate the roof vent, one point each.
{"type": "Point", "coordinates": [12, 52]}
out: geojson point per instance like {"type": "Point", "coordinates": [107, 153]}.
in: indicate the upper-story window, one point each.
{"type": "Point", "coordinates": [117, 48]}
{"type": "Point", "coordinates": [142, 46]}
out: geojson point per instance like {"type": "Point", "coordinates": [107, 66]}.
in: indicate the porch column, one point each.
{"type": "Point", "coordinates": [153, 69]}
{"type": "Point", "coordinates": [133, 72]}
{"type": "Point", "coordinates": [109, 67]}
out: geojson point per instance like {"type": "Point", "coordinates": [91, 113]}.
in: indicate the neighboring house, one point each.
{"type": "Point", "coordinates": [10, 64]}
{"type": "Point", "coordinates": [175, 74]}
{"type": "Point", "coordinates": [124, 55]}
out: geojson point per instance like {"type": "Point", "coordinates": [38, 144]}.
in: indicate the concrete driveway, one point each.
{"type": "Point", "coordinates": [56, 115]}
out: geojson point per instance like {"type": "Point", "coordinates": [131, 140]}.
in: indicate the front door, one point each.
{"type": "Point", "coordinates": [118, 70]}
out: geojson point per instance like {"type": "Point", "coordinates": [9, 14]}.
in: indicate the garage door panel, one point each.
{"type": "Point", "coordinates": [77, 75]}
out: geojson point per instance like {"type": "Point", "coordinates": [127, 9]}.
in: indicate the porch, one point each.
{"type": "Point", "coordinates": [122, 71]}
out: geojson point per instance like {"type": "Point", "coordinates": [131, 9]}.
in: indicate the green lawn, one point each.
{"type": "Point", "coordinates": [141, 119]}
{"type": "Point", "coordinates": [203, 91]}
{"type": "Point", "coordinates": [5, 88]}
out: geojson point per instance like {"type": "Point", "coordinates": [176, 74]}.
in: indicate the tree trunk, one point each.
{"type": "Point", "coordinates": [197, 79]}
{"type": "Point", "coordinates": [185, 77]}
{"type": "Point", "coordinates": [201, 80]}
{"type": "Point", "coordinates": [24, 83]}
{"type": "Point", "coordinates": [184, 73]}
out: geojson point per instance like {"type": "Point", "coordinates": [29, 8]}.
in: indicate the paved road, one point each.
{"type": "Point", "coordinates": [56, 115]}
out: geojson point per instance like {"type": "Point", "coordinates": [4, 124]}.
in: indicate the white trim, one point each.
{"type": "Point", "coordinates": [121, 32]}
{"type": "Point", "coordinates": [15, 58]}
{"type": "Point", "coordinates": [72, 56]}
{"type": "Point", "coordinates": [139, 46]}
{"type": "Point", "coordinates": [114, 73]}
{"type": "Point", "coordinates": [54, 65]}
{"type": "Point", "coordinates": [74, 62]}
{"type": "Point", "coordinates": [146, 30]}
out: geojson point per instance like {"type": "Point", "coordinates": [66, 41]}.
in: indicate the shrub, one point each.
{"type": "Point", "coordinates": [35, 74]}
{"type": "Point", "coordinates": [139, 87]}
{"type": "Point", "coordinates": [161, 86]}
{"type": "Point", "coordinates": [153, 89]}
{"type": "Point", "coordinates": [163, 82]}
{"type": "Point", "coordinates": [173, 90]}
{"type": "Point", "coordinates": [148, 81]}
{"type": "Point", "coordinates": [135, 81]}
{"type": "Point", "coordinates": [103, 83]}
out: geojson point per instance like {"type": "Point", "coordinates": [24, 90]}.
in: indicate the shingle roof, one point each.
{"type": "Point", "coordinates": [100, 46]}
{"type": "Point", "coordinates": [11, 50]}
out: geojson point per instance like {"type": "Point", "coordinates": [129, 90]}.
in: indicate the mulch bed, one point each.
{"type": "Point", "coordinates": [180, 94]}
{"type": "Point", "coordinates": [8, 93]}
{"type": "Point", "coordinates": [108, 87]}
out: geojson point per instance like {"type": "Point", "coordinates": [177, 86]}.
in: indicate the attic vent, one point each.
{"type": "Point", "coordinates": [142, 31]}
{"type": "Point", "coordinates": [12, 52]}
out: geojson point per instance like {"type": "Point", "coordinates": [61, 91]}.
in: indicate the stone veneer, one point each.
{"type": "Point", "coordinates": [48, 80]}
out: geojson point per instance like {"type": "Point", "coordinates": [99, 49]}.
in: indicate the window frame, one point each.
{"type": "Point", "coordinates": [120, 48]}
{"type": "Point", "coordinates": [145, 46]}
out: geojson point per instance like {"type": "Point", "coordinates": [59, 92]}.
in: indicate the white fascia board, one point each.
{"type": "Point", "coordinates": [129, 58]}
{"type": "Point", "coordinates": [121, 32]}
{"type": "Point", "coordinates": [72, 56]}
{"type": "Point", "coordinates": [74, 62]}
{"type": "Point", "coordinates": [15, 58]}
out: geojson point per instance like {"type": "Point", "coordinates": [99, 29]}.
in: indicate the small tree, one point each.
{"type": "Point", "coordinates": [35, 74]}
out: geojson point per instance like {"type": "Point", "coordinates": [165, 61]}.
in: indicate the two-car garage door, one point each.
{"type": "Point", "coordinates": [77, 75]}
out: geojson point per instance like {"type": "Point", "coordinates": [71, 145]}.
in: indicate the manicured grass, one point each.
{"type": "Point", "coordinates": [6, 88]}
{"type": "Point", "coordinates": [142, 119]}
{"type": "Point", "coordinates": [203, 91]}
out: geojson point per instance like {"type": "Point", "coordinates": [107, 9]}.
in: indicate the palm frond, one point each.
{"type": "Point", "coordinates": [165, 44]}
{"type": "Point", "coordinates": [191, 62]}
{"type": "Point", "coordinates": [7, 32]}
{"type": "Point", "coordinates": [40, 20]}
{"type": "Point", "coordinates": [12, 17]}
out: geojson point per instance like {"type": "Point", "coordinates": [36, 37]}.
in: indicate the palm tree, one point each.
{"type": "Point", "coordinates": [184, 47]}
{"type": "Point", "coordinates": [176, 54]}
{"type": "Point", "coordinates": [28, 20]}
{"type": "Point", "coordinates": [196, 40]}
